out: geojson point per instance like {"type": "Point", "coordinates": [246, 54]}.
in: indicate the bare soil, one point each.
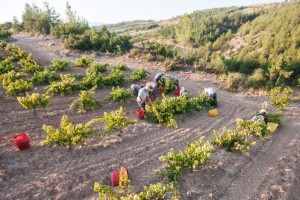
{"type": "Point", "coordinates": [270, 172]}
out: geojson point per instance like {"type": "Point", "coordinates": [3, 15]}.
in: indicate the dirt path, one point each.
{"type": "Point", "coordinates": [55, 173]}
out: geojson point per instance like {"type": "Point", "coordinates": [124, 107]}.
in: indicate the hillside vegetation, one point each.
{"type": "Point", "coordinates": [255, 47]}
{"type": "Point", "coordinates": [261, 48]}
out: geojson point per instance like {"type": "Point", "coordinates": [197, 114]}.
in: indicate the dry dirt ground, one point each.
{"type": "Point", "coordinates": [272, 171]}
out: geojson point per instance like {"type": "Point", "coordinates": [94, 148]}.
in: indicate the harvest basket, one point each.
{"type": "Point", "coordinates": [140, 114]}
{"type": "Point", "coordinates": [22, 141]}
{"type": "Point", "coordinates": [213, 113]}
{"type": "Point", "coordinates": [115, 176]}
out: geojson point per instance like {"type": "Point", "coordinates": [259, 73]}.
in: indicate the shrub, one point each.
{"type": "Point", "coordinates": [11, 76]}
{"type": "Point", "coordinates": [115, 120]}
{"type": "Point", "coordinates": [92, 79]}
{"type": "Point", "coordinates": [1, 57]}
{"type": "Point", "coordinates": [5, 34]}
{"type": "Point", "coordinates": [7, 66]}
{"type": "Point", "coordinates": [154, 191]}
{"type": "Point", "coordinates": [116, 78]}
{"type": "Point", "coordinates": [167, 84]}
{"type": "Point", "coordinates": [233, 140]}
{"type": "Point", "coordinates": [164, 111]}
{"type": "Point", "coordinates": [34, 100]}
{"type": "Point", "coordinates": [257, 79]}
{"type": "Point", "coordinates": [257, 128]}
{"type": "Point", "coordinates": [134, 51]}
{"type": "Point", "coordinates": [44, 77]}
{"type": "Point", "coordinates": [120, 66]}
{"type": "Point", "coordinates": [83, 61]}
{"type": "Point", "coordinates": [195, 154]}
{"type": "Point", "coordinates": [170, 65]}
{"type": "Point", "coordinates": [120, 95]}
{"type": "Point", "coordinates": [66, 86]}
{"type": "Point", "coordinates": [86, 101]}
{"type": "Point", "coordinates": [139, 75]}
{"type": "Point", "coordinates": [59, 65]}
{"type": "Point", "coordinates": [16, 53]}
{"type": "Point", "coordinates": [3, 44]}
{"type": "Point", "coordinates": [96, 68]}
{"type": "Point", "coordinates": [148, 57]}
{"type": "Point", "coordinates": [275, 118]}
{"type": "Point", "coordinates": [68, 134]}
{"type": "Point", "coordinates": [29, 65]}
{"type": "Point", "coordinates": [235, 81]}
{"type": "Point", "coordinates": [80, 42]}
{"type": "Point", "coordinates": [17, 87]}
{"type": "Point", "coordinates": [280, 98]}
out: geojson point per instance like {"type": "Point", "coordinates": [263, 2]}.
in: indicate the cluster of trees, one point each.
{"type": "Point", "coordinates": [100, 40]}
{"type": "Point", "coordinates": [202, 27]}
{"type": "Point", "coordinates": [270, 54]}
{"type": "Point", "coordinates": [74, 30]}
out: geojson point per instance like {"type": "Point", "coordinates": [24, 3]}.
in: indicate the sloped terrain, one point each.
{"type": "Point", "coordinates": [56, 173]}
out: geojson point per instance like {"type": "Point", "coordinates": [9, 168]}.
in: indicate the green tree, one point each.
{"type": "Point", "coordinates": [280, 98]}
{"type": "Point", "coordinates": [278, 70]}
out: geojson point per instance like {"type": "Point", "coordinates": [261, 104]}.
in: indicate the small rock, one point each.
{"type": "Point", "coordinates": [36, 195]}
{"type": "Point", "coordinates": [265, 197]}
{"type": "Point", "coordinates": [277, 189]}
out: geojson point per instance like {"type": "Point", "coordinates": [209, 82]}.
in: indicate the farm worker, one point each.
{"type": "Point", "coordinates": [142, 97]}
{"type": "Point", "coordinates": [135, 89]}
{"type": "Point", "coordinates": [154, 87]}
{"type": "Point", "coordinates": [183, 90]}
{"type": "Point", "coordinates": [174, 79]}
{"type": "Point", "coordinates": [158, 77]}
{"type": "Point", "coordinates": [261, 116]}
{"type": "Point", "coordinates": [212, 93]}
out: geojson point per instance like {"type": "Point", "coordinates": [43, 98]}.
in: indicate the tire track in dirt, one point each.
{"type": "Point", "coordinates": [155, 157]}
{"type": "Point", "coordinates": [67, 176]}
{"type": "Point", "coordinates": [254, 172]}
{"type": "Point", "coordinates": [153, 136]}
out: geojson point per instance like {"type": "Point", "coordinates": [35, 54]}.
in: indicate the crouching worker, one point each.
{"type": "Point", "coordinates": [261, 116]}
{"type": "Point", "coordinates": [183, 91]}
{"type": "Point", "coordinates": [142, 97]}
{"type": "Point", "coordinates": [212, 93]}
{"type": "Point", "coordinates": [158, 77]}
{"type": "Point", "coordinates": [135, 89]}
{"type": "Point", "coordinates": [153, 86]}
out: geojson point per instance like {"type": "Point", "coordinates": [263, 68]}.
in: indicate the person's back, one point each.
{"type": "Point", "coordinates": [261, 116]}
{"type": "Point", "coordinates": [142, 97]}
{"type": "Point", "coordinates": [258, 117]}
{"type": "Point", "coordinates": [210, 91]}
{"type": "Point", "coordinates": [158, 77]}
{"type": "Point", "coordinates": [135, 89]}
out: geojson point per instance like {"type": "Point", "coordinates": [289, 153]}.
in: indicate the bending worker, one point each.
{"type": "Point", "coordinates": [154, 87]}
{"type": "Point", "coordinates": [142, 97]}
{"type": "Point", "coordinates": [135, 89]}
{"type": "Point", "coordinates": [158, 77]}
{"type": "Point", "coordinates": [212, 93]}
{"type": "Point", "coordinates": [261, 116]}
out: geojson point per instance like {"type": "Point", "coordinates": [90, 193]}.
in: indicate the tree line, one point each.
{"type": "Point", "coordinates": [74, 29]}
